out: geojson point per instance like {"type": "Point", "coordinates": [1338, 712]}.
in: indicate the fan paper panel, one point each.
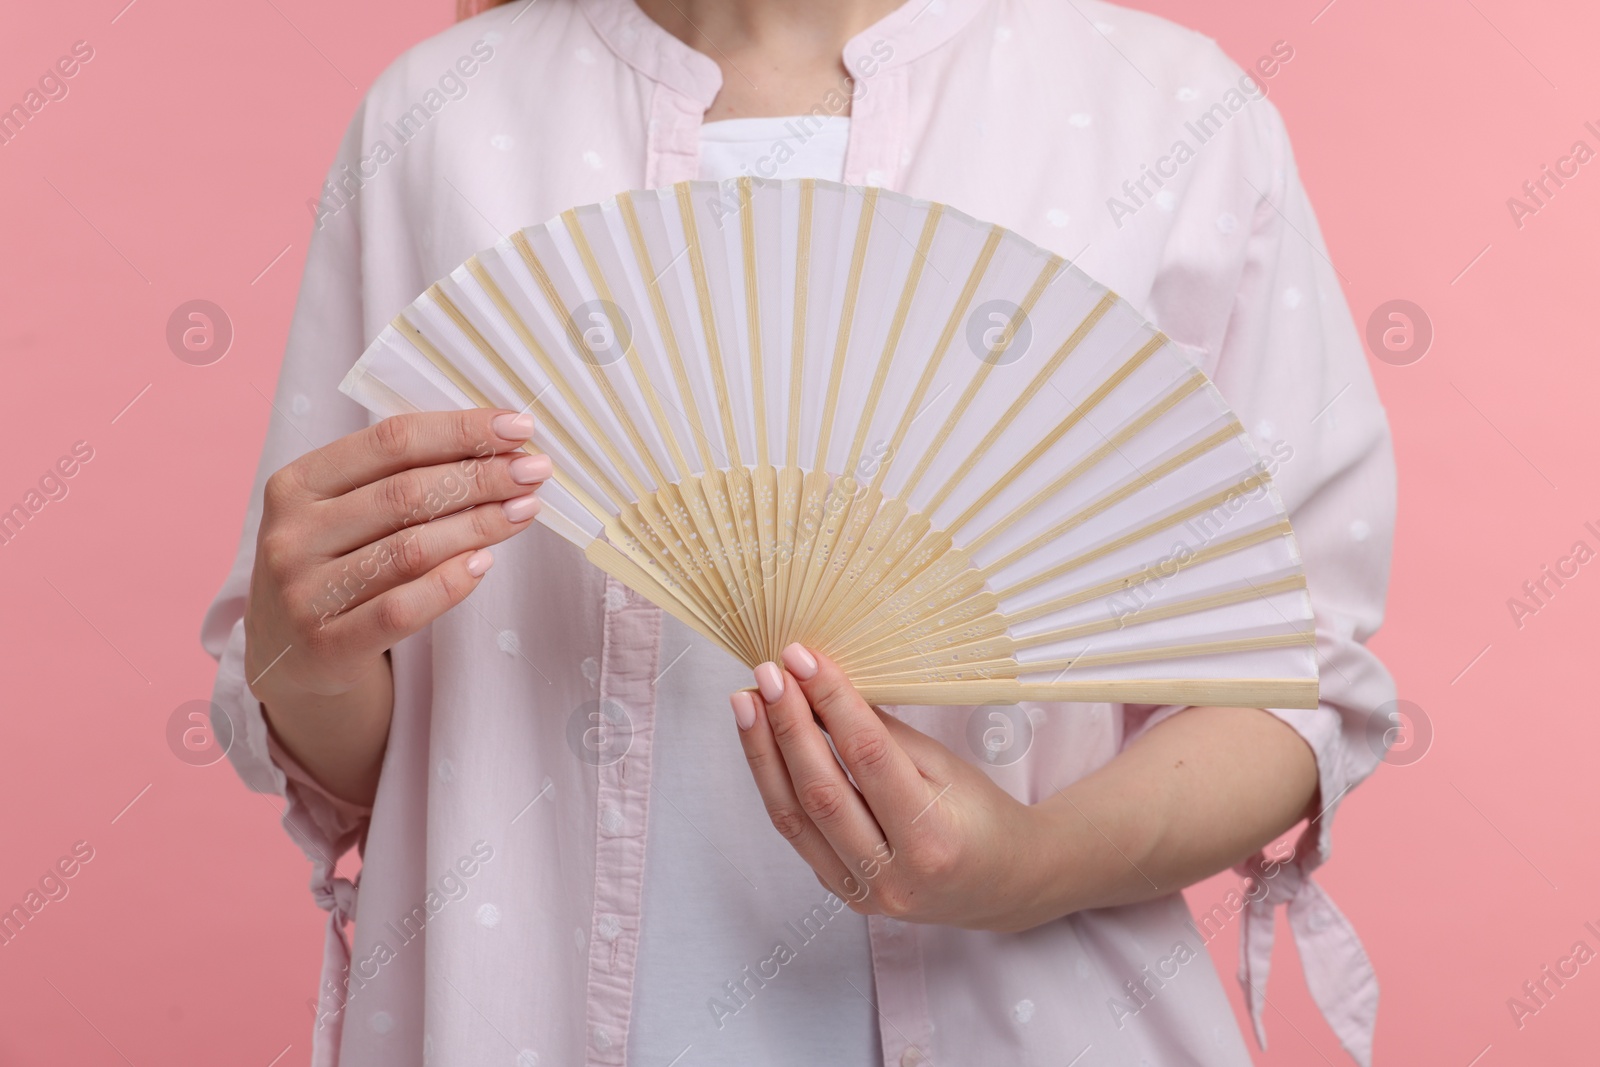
{"type": "Point", "coordinates": [938, 453]}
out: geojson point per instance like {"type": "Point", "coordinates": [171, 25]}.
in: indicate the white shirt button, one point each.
{"type": "Point", "coordinates": [911, 1057]}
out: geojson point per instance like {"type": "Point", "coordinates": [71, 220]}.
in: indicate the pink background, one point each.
{"type": "Point", "coordinates": [178, 168]}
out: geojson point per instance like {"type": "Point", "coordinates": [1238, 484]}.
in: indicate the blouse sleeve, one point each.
{"type": "Point", "coordinates": [325, 338]}
{"type": "Point", "coordinates": [1292, 365]}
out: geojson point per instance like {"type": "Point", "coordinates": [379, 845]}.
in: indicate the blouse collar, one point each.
{"type": "Point", "coordinates": [911, 30]}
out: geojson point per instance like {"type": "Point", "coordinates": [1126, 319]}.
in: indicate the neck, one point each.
{"type": "Point", "coordinates": [710, 26]}
{"type": "Point", "coordinates": [778, 57]}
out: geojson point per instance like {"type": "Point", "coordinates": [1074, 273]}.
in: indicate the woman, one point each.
{"type": "Point", "coordinates": [544, 791]}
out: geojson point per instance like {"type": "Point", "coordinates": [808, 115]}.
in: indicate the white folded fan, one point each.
{"type": "Point", "coordinates": [945, 457]}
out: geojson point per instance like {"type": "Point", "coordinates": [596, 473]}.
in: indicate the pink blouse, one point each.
{"type": "Point", "coordinates": [502, 839]}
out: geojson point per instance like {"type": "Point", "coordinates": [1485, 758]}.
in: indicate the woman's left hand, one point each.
{"type": "Point", "coordinates": [921, 835]}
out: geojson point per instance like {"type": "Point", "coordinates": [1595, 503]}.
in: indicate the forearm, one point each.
{"type": "Point", "coordinates": [339, 740]}
{"type": "Point", "coordinates": [1200, 792]}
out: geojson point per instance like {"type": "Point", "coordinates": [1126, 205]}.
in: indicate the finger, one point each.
{"type": "Point", "coordinates": [422, 494]}
{"type": "Point", "coordinates": [885, 774]}
{"type": "Point", "coordinates": [778, 796]}
{"type": "Point", "coordinates": [409, 554]}
{"type": "Point", "coordinates": [825, 794]}
{"type": "Point", "coordinates": [401, 442]}
{"type": "Point", "coordinates": [384, 621]}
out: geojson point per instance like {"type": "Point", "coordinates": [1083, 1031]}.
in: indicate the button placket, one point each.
{"type": "Point", "coordinates": [629, 663]}
{"type": "Point", "coordinates": [905, 1030]}
{"type": "Point", "coordinates": [673, 137]}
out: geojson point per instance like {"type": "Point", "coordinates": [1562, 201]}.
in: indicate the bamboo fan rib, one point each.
{"type": "Point", "coordinates": [802, 411]}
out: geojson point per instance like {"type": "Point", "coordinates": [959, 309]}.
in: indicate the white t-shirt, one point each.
{"type": "Point", "coordinates": [804, 146]}
{"type": "Point", "coordinates": [722, 891]}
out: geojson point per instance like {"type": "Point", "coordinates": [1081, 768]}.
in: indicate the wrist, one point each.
{"type": "Point", "coordinates": [276, 672]}
{"type": "Point", "coordinates": [290, 697]}
{"type": "Point", "coordinates": [1044, 872]}
{"type": "Point", "coordinates": [1060, 868]}
{"type": "Point", "coordinates": [1091, 854]}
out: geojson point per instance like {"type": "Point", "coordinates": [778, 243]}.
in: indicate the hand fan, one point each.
{"type": "Point", "coordinates": [946, 457]}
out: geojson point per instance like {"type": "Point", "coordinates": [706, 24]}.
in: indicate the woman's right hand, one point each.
{"type": "Point", "coordinates": [364, 542]}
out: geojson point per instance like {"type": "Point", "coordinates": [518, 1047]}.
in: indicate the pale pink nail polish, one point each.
{"type": "Point", "coordinates": [526, 470]}
{"type": "Point", "coordinates": [522, 508]}
{"type": "Point", "coordinates": [801, 663]}
{"type": "Point", "coordinates": [744, 709]}
{"type": "Point", "coordinates": [770, 681]}
{"type": "Point", "coordinates": [513, 427]}
{"type": "Point", "coordinates": [479, 562]}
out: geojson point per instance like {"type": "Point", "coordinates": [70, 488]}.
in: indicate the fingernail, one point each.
{"type": "Point", "coordinates": [513, 427]}
{"type": "Point", "coordinates": [801, 663]}
{"type": "Point", "coordinates": [526, 470]}
{"type": "Point", "coordinates": [522, 508]}
{"type": "Point", "coordinates": [770, 680]}
{"type": "Point", "coordinates": [479, 562]}
{"type": "Point", "coordinates": [744, 709]}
